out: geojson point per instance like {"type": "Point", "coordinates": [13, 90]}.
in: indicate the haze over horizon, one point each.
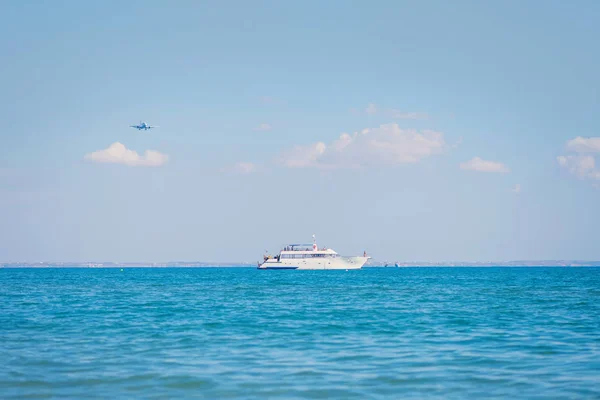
{"type": "Point", "coordinates": [415, 131]}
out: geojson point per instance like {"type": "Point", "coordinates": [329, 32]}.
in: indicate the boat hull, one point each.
{"type": "Point", "coordinates": [316, 264]}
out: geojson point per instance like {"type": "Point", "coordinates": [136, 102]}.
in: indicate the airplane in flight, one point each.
{"type": "Point", "coordinates": [143, 126]}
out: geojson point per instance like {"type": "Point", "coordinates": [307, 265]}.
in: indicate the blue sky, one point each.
{"type": "Point", "coordinates": [414, 130]}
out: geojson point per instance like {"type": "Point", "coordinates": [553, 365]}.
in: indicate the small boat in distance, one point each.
{"type": "Point", "coordinates": [306, 256]}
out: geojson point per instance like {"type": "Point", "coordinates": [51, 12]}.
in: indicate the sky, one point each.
{"type": "Point", "coordinates": [413, 130]}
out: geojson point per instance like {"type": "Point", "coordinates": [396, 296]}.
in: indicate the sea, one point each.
{"type": "Point", "coordinates": [243, 333]}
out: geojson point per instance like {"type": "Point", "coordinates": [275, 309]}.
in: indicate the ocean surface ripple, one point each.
{"type": "Point", "coordinates": [224, 333]}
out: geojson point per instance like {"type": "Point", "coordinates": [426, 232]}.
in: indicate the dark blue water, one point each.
{"type": "Point", "coordinates": [243, 333]}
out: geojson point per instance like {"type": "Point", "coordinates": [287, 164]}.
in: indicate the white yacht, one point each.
{"type": "Point", "coordinates": [306, 256]}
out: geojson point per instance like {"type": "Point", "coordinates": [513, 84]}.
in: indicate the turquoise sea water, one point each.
{"type": "Point", "coordinates": [223, 333]}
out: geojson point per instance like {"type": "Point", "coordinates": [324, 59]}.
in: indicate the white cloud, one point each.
{"type": "Point", "coordinates": [480, 165]}
{"type": "Point", "coordinates": [263, 127]}
{"type": "Point", "coordinates": [386, 145]}
{"type": "Point", "coordinates": [117, 153]}
{"type": "Point", "coordinates": [516, 189]}
{"type": "Point", "coordinates": [580, 165]}
{"type": "Point", "coordinates": [584, 145]}
{"type": "Point", "coordinates": [303, 156]}
{"type": "Point", "coordinates": [373, 109]}
{"type": "Point", "coordinates": [245, 167]}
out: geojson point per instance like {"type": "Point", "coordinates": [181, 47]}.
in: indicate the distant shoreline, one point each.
{"type": "Point", "coordinates": [376, 264]}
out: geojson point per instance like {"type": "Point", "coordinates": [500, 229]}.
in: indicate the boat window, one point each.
{"type": "Point", "coordinates": [309, 255]}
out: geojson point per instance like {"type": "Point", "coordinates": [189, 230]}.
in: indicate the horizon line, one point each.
{"type": "Point", "coordinates": [371, 262]}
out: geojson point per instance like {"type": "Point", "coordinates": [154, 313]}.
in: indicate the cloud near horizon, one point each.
{"type": "Point", "coordinates": [117, 153]}
{"type": "Point", "coordinates": [480, 165]}
{"type": "Point", "coordinates": [386, 145]}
